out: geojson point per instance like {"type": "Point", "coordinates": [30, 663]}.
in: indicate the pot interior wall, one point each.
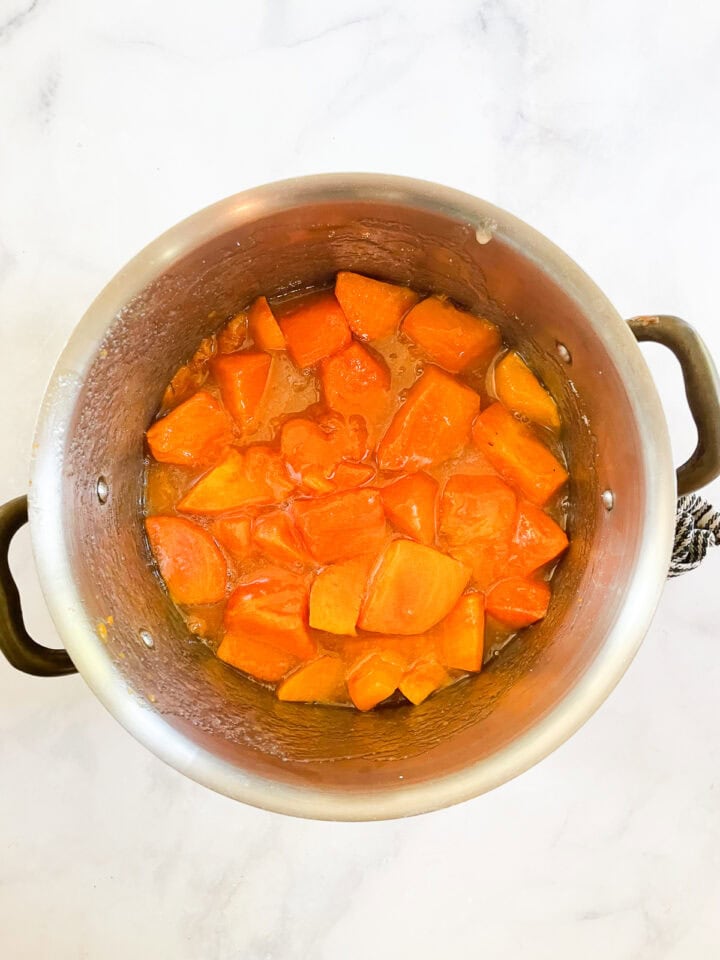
{"type": "Point", "coordinates": [214, 705]}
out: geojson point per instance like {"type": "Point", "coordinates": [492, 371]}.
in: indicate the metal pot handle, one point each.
{"type": "Point", "coordinates": [15, 642]}
{"type": "Point", "coordinates": [702, 389]}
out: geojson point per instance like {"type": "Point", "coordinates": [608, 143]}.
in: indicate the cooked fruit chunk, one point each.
{"type": "Point", "coordinates": [242, 378]}
{"type": "Point", "coordinates": [433, 424]}
{"type": "Point", "coordinates": [348, 475]}
{"type": "Point", "coordinates": [518, 455]}
{"type": "Point", "coordinates": [518, 602]}
{"type": "Point", "coordinates": [240, 480]}
{"type": "Point", "coordinates": [410, 506]}
{"type": "Point", "coordinates": [192, 566]}
{"type": "Point", "coordinates": [452, 338]}
{"type": "Point", "coordinates": [413, 588]}
{"type": "Point", "coordinates": [272, 607]}
{"type": "Point", "coordinates": [336, 596]}
{"type": "Point", "coordinates": [519, 390]}
{"type": "Point", "coordinates": [373, 680]}
{"type": "Point", "coordinates": [354, 382]}
{"type": "Point", "coordinates": [462, 633]}
{"type": "Point", "coordinates": [263, 327]}
{"type": "Point", "coordinates": [275, 535]}
{"type": "Point", "coordinates": [422, 679]}
{"type": "Point", "coordinates": [315, 330]}
{"type": "Point", "coordinates": [195, 433]}
{"type": "Point", "coordinates": [314, 448]}
{"type": "Point", "coordinates": [537, 540]}
{"type": "Point", "coordinates": [404, 651]}
{"type": "Point", "coordinates": [373, 309]}
{"type": "Point", "coordinates": [320, 681]}
{"type": "Point", "coordinates": [477, 521]}
{"type": "Point", "coordinates": [235, 534]}
{"type": "Point", "coordinates": [260, 660]}
{"type": "Point", "coordinates": [341, 526]}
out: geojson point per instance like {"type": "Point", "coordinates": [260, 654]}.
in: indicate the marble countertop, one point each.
{"type": "Point", "coordinates": [595, 123]}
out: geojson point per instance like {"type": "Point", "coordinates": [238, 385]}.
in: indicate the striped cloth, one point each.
{"type": "Point", "coordinates": [697, 528]}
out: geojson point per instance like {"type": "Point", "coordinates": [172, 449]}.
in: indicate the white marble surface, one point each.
{"type": "Point", "coordinates": [595, 122]}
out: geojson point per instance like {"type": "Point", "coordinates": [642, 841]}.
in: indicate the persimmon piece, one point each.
{"type": "Point", "coordinates": [192, 566]}
{"type": "Point", "coordinates": [422, 679]}
{"type": "Point", "coordinates": [336, 596]}
{"type": "Point", "coordinates": [276, 536]}
{"type": "Point", "coordinates": [235, 534]}
{"type": "Point", "coordinates": [373, 680]}
{"type": "Point", "coordinates": [477, 522]}
{"type": "Point", "coordinates": [356, 382]}
{"type": "Point", "coordinates": [348, 475]}
{"type": "Point", "coordinates": [272, 607]}
{"type": "Point", "coordinates": [373, 308]}
{"type": "Point", "coordinates": [404, 651]}
{"type": "Point", "coordinates": [518, 602]}
{"type": "Point", "coordinates": [452, 338]}
{"type": "Point", "coordinates": [195, 433]}
{"type": "Point", "coordinates": [413, 588]}
{"type": "Point", "coordinates": [255, 477]}
{"type": "Point", "coordinates": [432, 425]}
{"type": "Point", "coordinates": [320, 681]}
{"type": "Point", "coordinates": [341, 526]}
{"type": "Point", "coordinates": [410, 506]}
{"type": "Point", "coordinates": [313, 449]}
{"type": "Point", "coordinates": [518, 455]}
{"type": "Point", "coordinates": [519, 390]}
{"type": "Point", "coordinates": [191, 376]}
{"type": "Point", "coordinates": [462, 633]}
{"type": "Point", "coordinates": [260, 660]}
{"type": "Point", "coordinates": [263, 327]}
{"type": "Point", "coordinates": [242, 378]}
{"type": "Point", "coordinates": [537, 540]}
{"type": "Point", "coordinates": [232, 336]}
{"type": "Point", "coordinates": [315, 330]}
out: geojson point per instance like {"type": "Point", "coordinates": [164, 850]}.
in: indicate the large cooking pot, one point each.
{"type": "Point", "coordinates": [128, 641]}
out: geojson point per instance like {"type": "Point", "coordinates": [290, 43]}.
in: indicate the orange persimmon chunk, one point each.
{"type": "Point", "coordinates": [432, 424]}
{"type": "Point", "coordinates": [537, 540]}
{"type": "Point", "coordinates": [410, 506]}
{"type": "Point", "coordinates": [519, 390]}
{"type": "Point", "coordinates": [336, 596]}
{"type": "Point", "coordinates": [341, 526]}
{"type": "Point", "coordinates": [518, 602]}
{"type": "Point", "coordinates": [235, 534]}
{"type": "Point", "coordinates": [373, 680]}
{"type": "Point", "coordinates": [192, 566]}
{"type": "Point", "coordinates": [477, 521]}
{"type": "Point", "coordinates": [261, 660]}
{"type": "Point", "coordinates": [255, 477]}
{"type": "Point", "coordinates": [348, 475]}
{"type": "Point", "coordinates": [242, 378]}
{"type": "Point", "coordinates": [193, 434]}
{"type": "Point", "coordinates": [373, 309]}
{"type": "Point", "coordinates": [275, 534]}
{"type": "Point", "coordinates": [462, 634]}
{"type": "Point", "coordinates": [422, 679]}
{"type": "Point", "coordinates": [518, 455]}
{"type": "Point", "coordinates": [272, 607]}
{"type": "Point", "coordinates": [413, 588]}
{"type": "Point", "coordinates": [315, 330]}
{"type": "Point", "coordinates": [263, 327]}
{"type": "Point", "coordinates": [452, 338]}
{"type": "Point", "coordinates": [356, 382]}
{"type": "Point", "coordinates": [319, 681]}
{"type": "Point", "coordinates": [314, 448]}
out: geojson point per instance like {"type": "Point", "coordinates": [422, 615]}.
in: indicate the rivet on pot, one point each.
{"type": "Point", "coordinates": [103, 491]}
{"type": "Point", "coordinates": [563, 353]}
{"type": "Point", "coordinates": [608, 499]}
{"type": "Point", "coordinates": [147, 638]}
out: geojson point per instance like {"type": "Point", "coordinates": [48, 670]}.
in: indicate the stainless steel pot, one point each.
{"type": "Point", "coordinates": [127, 640]}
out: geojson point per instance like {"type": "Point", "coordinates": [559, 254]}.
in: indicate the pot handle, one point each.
{"type": "Point", "coordinates": [701, 388]}
{"type": "Point", "coordinates": [15, 642]}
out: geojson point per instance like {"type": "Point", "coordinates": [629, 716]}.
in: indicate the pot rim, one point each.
{"type": "Point", "coordinates": [79, 634]}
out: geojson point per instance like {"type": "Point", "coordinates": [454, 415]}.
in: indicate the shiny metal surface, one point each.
{"type": "Point", "coordinates": [201, 716]}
